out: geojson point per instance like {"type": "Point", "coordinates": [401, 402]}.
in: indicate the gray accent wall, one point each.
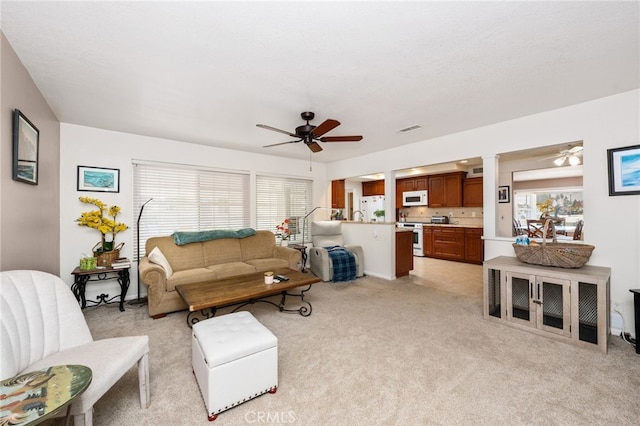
{"type": "Point", "coordinates": [29, 214]}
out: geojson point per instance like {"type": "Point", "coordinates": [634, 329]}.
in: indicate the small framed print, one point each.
{"type": "Point", "coordinates": [98, 179]}
{"type": "Point", "coordinates": [624, 170]}
{"type": "Point", "coordinates": [26, 139]}
{"type": "Point", "coordinates": [503, 194]}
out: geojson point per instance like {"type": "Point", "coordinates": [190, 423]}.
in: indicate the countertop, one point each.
{"type": "Point", "coordinates": [451, 225]}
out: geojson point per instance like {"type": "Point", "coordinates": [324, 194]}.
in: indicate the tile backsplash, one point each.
{"type": "Point", "coordinates": [457, 215]}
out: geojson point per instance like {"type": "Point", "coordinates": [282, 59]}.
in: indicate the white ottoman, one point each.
{"type": "Point", "coordinates": [234, 358]}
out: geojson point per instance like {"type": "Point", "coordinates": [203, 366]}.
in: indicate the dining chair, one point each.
{"type": "Point", "coordinates": [518, 229]}
{"type": "Point", "coordinates": [577, 233]}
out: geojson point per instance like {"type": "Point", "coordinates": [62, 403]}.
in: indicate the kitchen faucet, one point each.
{"type": "Point", "coordinates": [361, 215]}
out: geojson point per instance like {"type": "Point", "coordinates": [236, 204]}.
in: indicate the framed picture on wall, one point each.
{"type": "Point", "coordinates": [503, 194]}
{"type": "Point", "coordinates": [26, 139]}
{"type": "Point", "coordinates": [624, 170]}
{"type": "Point", "coordinates": [98, 179]}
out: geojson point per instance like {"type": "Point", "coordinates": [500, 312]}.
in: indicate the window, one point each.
{"type": "Point", "coordinates": [564, 203]}
{"type": "Point", "coordinates": [188, 199]}
{"type": "Point", "coordinates": [279, 198]}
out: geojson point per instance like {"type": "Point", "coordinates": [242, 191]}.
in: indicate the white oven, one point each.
{"type": "Point", "coordinates": [418, 236]}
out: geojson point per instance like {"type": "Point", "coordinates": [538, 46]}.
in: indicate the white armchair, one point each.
{"type": "Point", "coordinates": [43, 325]}
{"type": "Point", "coordinates": [325, 234]}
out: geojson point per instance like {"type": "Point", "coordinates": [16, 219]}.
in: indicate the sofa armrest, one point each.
{"type": "Point", "coordinates": [320, 263]}
{"type": "Point", "coordinates": [292, 256]}
{"type": "Point", "coordinates": [152, 275]}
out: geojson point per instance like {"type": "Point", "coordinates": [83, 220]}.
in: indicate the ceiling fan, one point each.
{"type": "Point", "coordinates": [571, 154]}
{"type": "Point", "coordinates": [310, 134]}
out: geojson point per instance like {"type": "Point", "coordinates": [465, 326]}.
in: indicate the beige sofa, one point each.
{"type": "Point", "coordinates": [207, 260]}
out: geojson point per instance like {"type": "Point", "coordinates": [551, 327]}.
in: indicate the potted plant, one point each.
{"type": "Point", "coordinates": [379, 214]}
{"type": "Point", "coordinates": [99, 220]}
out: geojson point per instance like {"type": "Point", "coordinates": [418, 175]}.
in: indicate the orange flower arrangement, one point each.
{"type": "Point", "coordinates": [282, 230]}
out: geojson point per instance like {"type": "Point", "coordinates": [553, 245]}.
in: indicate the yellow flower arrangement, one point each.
{"type": "Point", "coordinates": [98, 219]}
{"type": "Point", "coordinates": [546, 207]}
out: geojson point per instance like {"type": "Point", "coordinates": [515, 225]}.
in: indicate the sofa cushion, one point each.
{"type": "Point", "coordinates": [190, 276]}
{"type": "Point", "coordinates": [181, 257]}
{"type": "Point", "coordinates": [262, 265]}
{"type": "Point", "coordinates": [259, 246]}
{"type": "Point", "coordinates": [217, 252]}
{"type": "Point", "coordinates": [232, 269]}
{"type": "Point", "coordinates": [158, 258]}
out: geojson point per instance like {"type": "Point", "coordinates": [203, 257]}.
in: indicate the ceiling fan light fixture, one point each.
{"type": "Point", "coordinates": [574, 160]}
{"type": "Point", "coordinates": [559, 161]}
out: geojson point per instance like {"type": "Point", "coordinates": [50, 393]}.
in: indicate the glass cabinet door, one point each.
{"type": "Point", "coordinates": [553, 305]}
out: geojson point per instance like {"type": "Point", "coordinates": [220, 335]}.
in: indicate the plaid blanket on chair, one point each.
{"type": "Point", "coordinates": [344, 263]}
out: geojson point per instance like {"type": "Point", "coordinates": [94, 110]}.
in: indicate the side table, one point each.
{"type": "Point", "coordinates": [303, 251]}
{"type": "Point", "coordinates": [81, 277]}
{"type": "Point", "coordinates": [30, 398]}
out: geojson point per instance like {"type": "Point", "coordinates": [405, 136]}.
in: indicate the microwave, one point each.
{"type": "Point", "coordinates": [414, 198]}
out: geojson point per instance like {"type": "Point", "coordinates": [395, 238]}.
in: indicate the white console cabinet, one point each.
{"type": "Point", "coordinates": [567, 304]}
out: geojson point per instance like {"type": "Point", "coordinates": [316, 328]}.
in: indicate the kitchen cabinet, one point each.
{"type": "Point", "coordinates": [445, 190]}
{"type": "Point", "coordinates": [473, 245]}
{"type": "Point", "coordinates": [571, 305]}
{"type": "Point", "coordinates": [373, 187]}
{"type": "Point", "coordinates": [472, 192]}
{"type": "Point", "coordinates": [456, 243]}
{"type": "Point", "coordinates": [419, 183]}
{"type": "Point", "coordinates": [427, 241]}
{"type": "Point", "coordinates": [404, 253]}
{"type": "Point", "coordinates": [448, 243]}
{"type": "Point", "coordinates": [337, 194]}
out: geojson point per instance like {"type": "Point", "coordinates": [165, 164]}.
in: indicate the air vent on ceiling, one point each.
{"type": "Point", "coordinates": [410, 128]}
{"type": "Point", "coordinates": [475, 171]}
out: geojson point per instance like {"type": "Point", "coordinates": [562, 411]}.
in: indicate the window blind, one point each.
{"type": "Point", "coordinates": [279, 198]}
{"type": "Point", "coordinates": [188, 199]}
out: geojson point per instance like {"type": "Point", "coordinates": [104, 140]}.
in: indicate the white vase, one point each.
{"type": "Point", "coordinates": [284, 243]}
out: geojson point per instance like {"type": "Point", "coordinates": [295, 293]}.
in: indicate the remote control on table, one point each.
{"type": "Point", "coordinates": [281, 278]}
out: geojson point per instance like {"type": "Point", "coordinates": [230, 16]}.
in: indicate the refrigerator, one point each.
{"type": "Point", "coordinates": [370, 204]}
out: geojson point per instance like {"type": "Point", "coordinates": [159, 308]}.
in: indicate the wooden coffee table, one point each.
{"type": "Point", "coordinates": [204, 298]}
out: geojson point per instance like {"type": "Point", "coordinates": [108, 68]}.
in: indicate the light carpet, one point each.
{"type": "Point", "coordinates": [400, 352]}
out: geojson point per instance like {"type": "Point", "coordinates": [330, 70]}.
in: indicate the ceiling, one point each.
{"type": "Point", "coordinates": [208, 72]}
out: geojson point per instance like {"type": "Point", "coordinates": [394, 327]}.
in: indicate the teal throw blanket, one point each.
{"type": "Point", "coordinates": [182, 238]}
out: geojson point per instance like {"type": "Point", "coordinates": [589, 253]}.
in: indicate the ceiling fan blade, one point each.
{"type": "Point", "coordinates": [282, 143]}
{"type": "Point", "coordinates": [314, 146]}
{"type": "Point", "coordinates": [326, 126]}
{"type": "Point", "coordinates": [341, 139]}
{"type": "Point", "coordinates": [264, 126]}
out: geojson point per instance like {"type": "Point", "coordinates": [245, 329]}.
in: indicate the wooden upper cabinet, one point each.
{"type": "Point", "coordinates": [373, 187]}
{"type": "Point", "coordinates": [472, 192]}
{"type": "Point", "coordinates": [445, 190]}
{"type": "Point", "coordinates": [413, 184]}
{"type": "Point", "coordinates": [421, 183]}
{"type": "Point", "coordinates": [399, 193]}
{"type": "Point", "coordinates": [337, 194]}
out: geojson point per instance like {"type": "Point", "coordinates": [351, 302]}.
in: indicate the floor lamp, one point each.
{"type": "Point", "coordinates": [144, 300]}
{"type": "Point", "coordinates": [304, 221]}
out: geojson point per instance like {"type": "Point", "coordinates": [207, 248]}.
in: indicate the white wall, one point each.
{"type": "Point", "coordinates": [613, 222]}
{"type": "Point", "coordinates": [378, 242]}
{"type": "Point", "coordinates": [87, 146]}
